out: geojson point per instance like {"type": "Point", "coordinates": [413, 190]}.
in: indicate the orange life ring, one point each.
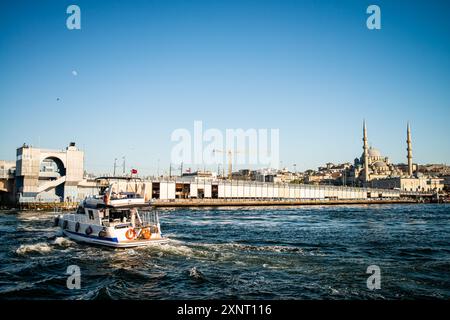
{"type": "Point", "coordinates": [130, 234]}
{"type": "Point", "coordinates": [146, 234]}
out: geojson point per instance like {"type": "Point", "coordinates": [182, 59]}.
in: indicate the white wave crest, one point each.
{"type": "Point", "coordinates": [178, 249]}
{"type": "Point", "coordinates": [40, 247]}
{"type": "Point", "coordinates": [62, 241]}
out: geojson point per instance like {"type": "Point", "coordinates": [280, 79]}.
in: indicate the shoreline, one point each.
{"type": "Point", "coordinates": [196, 203]}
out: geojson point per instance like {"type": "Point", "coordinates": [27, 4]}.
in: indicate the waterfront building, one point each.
{"type": "Point", "coordinates": [331, 174]}
{"type": "Point", "coordinates": [44, 175]}
{"type": "Point", "coordinates": [273, 175]}
{"type": "Point", "coordinates": [434, 169]}
{"type": "Point", "coordinates": [229, 189]}
{"type": "Point", "coordinates": [419, 184]}
{"type": "Point", "coordinates": [446, 182]}
{"type": "Point", "coordinates": [7, 181]}
{"type": "Point", "coordinates": [198, 176]}
{"type": "Point", "coordinates": [322, 177]}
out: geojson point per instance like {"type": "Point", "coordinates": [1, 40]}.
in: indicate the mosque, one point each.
{"type": "Point", "coordinates": [374, 170]}
{"type": "Point", "coordinates": [372, 165]}
{"type": "Point", "coordinates": [379, 167]}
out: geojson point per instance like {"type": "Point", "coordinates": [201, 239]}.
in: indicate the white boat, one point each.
{"type": "Point", "coordinates": [119, 221]}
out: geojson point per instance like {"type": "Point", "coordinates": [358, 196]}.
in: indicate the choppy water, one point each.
{"type": "Point", "coordinates": [252, 253]}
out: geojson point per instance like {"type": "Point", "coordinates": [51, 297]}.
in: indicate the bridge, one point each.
{"type": "Point", "coordinates": [48, 175]}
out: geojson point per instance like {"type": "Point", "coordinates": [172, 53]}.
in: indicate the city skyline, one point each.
{"type": "Point", "coordinates": [120, 168]}
{"type": "Point", "coordinates": [132, 75]}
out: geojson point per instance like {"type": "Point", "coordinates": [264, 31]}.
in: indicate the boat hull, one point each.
{"type": "Point", "coordinates": [111, 242]}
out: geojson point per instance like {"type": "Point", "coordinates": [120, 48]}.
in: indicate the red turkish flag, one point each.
{"type": "Point", "coordinates": [133, 171]}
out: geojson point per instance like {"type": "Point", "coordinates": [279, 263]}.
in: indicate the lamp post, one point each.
{"type": "Point", "coordinates": [157, 171]}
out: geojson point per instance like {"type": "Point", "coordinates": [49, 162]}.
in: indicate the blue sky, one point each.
{"type": "Point", "coordinates": [145, 68]}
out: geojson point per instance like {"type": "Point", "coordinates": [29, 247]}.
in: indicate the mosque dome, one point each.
{"type": "Point", "coordinates": [379, 164]}
{"type": "Point", "coordinates": [374, 153]}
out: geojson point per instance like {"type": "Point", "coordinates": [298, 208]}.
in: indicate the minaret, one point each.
{"type": "Point", "coordinates": [409, 149]}
{"type": "Point", "coordinates": [366, 153]}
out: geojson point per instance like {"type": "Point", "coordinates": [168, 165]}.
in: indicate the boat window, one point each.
{"type": "Point", "coordinates": [80, 210]}
{"type": "Point", "coordinates": [118, 215]}
{"type": "Point", "coordinates": [91, 214]}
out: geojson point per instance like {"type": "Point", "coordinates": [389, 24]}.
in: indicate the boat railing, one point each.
{"type": "Point", "coordinates": [149, 218]}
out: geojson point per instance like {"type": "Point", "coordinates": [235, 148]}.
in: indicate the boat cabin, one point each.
{"type": "Point", "coordinates": [116, 217]}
